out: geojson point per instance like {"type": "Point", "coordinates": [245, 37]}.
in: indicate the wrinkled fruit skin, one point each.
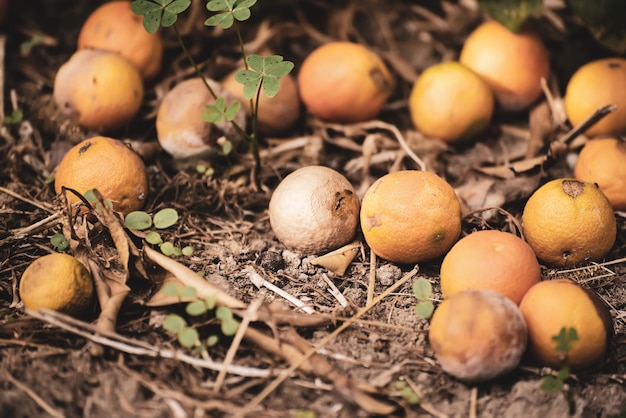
{"type": "Point", "coordinates": [478, 335]}
{"type": "Point", "coordinates": [314, 209]}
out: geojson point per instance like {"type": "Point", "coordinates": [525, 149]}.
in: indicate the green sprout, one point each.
{"type": "Point", "coordinates": [188, 336]}
{"type": "Point", "coordinates": [163, 219]}
{"type": "Point", "coordinates": [15, 117]}
{"type": "Point", "coordinates": [261, 74]}
{"type": "Point", "coordinates": [423, 290]}
{"type": "Point", "coordinates": [407, 393]}
{"type": "Point", "coordinates": [564, 341]}
{"type": "Point", "coordinates": [59, 242]}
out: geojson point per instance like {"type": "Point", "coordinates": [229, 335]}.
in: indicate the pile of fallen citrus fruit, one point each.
{"type": "Point", "coordinates": [496, 306]}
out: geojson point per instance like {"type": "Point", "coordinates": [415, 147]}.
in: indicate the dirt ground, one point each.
{"type": "Point", "coordinates": [51, 365]}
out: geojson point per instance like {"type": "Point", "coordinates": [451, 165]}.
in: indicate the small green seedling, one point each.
{"type": "Point", "coordinates": [188, 336]}
{"type": "Point", "coordinates": [407, 393]}
{"type": "Point", "coordinates": [142, 221]}
{"type": "Point", "coordinates": [423, 290]}
{"type": "Point", "coordinates": [27, 46]}
{"type": "Point", "coordinates": [260, 73]}
{"type": "Point", "coordinates": [564, 341]}
{"type": "Point", "coordinates": [59, 242]}
{"type": "Point", "coordinates": [14, 118]}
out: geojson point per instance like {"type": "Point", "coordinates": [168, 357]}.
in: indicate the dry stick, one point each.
{"type": "Point", "coordinates": [285, 374]}
{"type": "Point", "coordinates": [11, 193]}
{"type": "Point", "coordinates": [38, 400]}
{"type": "Point", "coordinates": [473, 401]}
{"type": "Point", "coordinates": [136, 347]}
{"type": "Point", "coordinates": [394, 129]}
{"type": "Point", "coordinates": [372, 279]}
{"type": "Point", "coordinates": [232, 350]}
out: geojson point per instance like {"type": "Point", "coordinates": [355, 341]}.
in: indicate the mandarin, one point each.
{"type": "Point", "coordinates": [478, 335]}
{"type": "Point", "coordinates": [450, 102]}
{"type": "Point", "coordinates": [59, 282]}
{"type": "Point", "coordinates": [344, 82]}
{"type": "Point", "coordinates": [575, 307]}
{"type": "Point", "coordinates": [101, 90]}
{"type": "Point", "coordinates": [108, 165]}
{"type": "Point", "coordinates": [603, 161]}
{"type": "Point", "coordinates": [314, 209]}
{"type": "Point", "coordinates": [493, 260]}
{"type": "Point", "coordinates": [511, 63]}
{"type": "Point", "coordinates": [410, 216]}
{"type": "Point", "coordinates": [598, 83]}
{"type": "Point", "coordinates": [567, 221]}
{"type": "Point", "coordinates": [114, 27]}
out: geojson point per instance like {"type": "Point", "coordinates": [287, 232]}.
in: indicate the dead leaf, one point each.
{"type": "Point", "coordinates": [337, 261]}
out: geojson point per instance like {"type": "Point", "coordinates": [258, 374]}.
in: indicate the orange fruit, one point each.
{"type": "Point", "coordinates": [511, 63]}
{"type": "Point", "coordinates": [492, 260]}
{"type": "Point", "coordinates": [108, 165]}
{"type": "Point", "coordinates": [478, 335]}
{"type": "Point", "coordinates": [595, 84]}
{"type": "Point", "coordinates": [276, 114]}
{"type": "Point", "coordinates": [114, 27]}
{"type": "Point", "coordinates": [314, 209]}
{"type": "Point", "coordinates": [553, 304]}
{"type": "Point", "coordinates": [603, 161]}
{"type": "Point", "coordinates": [59, 282]}
{"type": "Point", "coordinates": [99, 89]}
{"type": "Point", "coordinates": [344, 82]}
{"type": "Point", "coordinates": [450, 102]}
{"type": "Point", "coordinates": [410, 216]}
{"type": "Point", "coordinates": [567, 221]}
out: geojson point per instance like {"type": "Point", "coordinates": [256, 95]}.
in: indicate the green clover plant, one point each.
{"type": "Point", "coordinates": [551, 384]}
{"type": "Point", "coordinates": [261, 74]}
{"type": "Point", "coordinates": [188, 336]}
{"type": "Point", "coordinates": [163, 219]}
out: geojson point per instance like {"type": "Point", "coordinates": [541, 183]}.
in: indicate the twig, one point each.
{"type": "Point", "coordinates": [232, 350]}
{"type": "Point", "coordinates": [286, 373]}
{"type": "Point", "coordinates": [38, 400]}
{"type": "Point", "coordinates": [335, 292]}
{"type": "Point", "coordinates": [473, 401]}
{"type": "Point", "coordinates": [259, 282]}
{"type": "Point", "coordinates": [372, 278]}
{"type": "Point", "coordinates": [44, 223]}
{"type": "Point", "coordinates": [140, 348]}
{"type": "Point", "coordinates": [41, 206]}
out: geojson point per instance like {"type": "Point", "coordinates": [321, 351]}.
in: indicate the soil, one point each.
{"type": "Point", "coordinates": [53, 365]}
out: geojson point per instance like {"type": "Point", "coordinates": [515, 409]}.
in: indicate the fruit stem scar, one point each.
{"type": "Point", "coordinates": [382, 83]}
{"type": "Point", "coordinates": [573, 188]}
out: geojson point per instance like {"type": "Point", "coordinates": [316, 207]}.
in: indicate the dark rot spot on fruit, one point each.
{"type": "Point", "coordinates": [614, 64]}
{"type": "Point", "coordinates": [84, 148]}
{"type": "Point", "coordinates": [383, 83]}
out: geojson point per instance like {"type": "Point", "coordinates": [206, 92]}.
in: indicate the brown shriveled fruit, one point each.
{"type": "Point", "coordinates": [552, 305]}
{"type": "Point", "coordinates": [478, 335]}
{"type": "Point", "coordinates": [450, 102]}
{"type": "Point", "coordinates": [567, 221]}
{"type": "Point", "coordinates": [114, 27]}
{"type": "Point", "coordinates": [314, 209]}
{"type": "Point", "coordinates": [603, 161]}
{"type": "Point", "coordinates": [344, 82]}
{"type": "Point", "coordinates": [511, 63]}
{"type": "Point", "coordinates": [100, 90]}
{"type": "Point", "coordinates": [59, 282]}
{"type": "Point", "coordinates": [492, 260]}
{"type": "Point", "coordinates": [595, 84]}
{"type": "Point", "coordinates": [181, 132]}
{"type": "Point", "coordinates": [277, 114]}
{"type": "Point", "coordinates": [410, 216]}
{"type": "Point", "coordinates": [108, 165]}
